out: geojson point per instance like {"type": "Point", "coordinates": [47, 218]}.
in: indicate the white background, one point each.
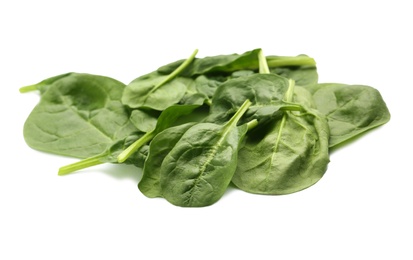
{"type": "Point", "coordinates": [360, 209]}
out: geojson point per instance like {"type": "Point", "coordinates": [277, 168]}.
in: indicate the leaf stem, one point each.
{"type": "Point", "coordinates": [236, 117]}
{"type": "Point", "coordinates": [41, 84]}
{"type": "Point", "coordinates": [281, 61]}
{"type": "Point", "coordinates": [29, 88]}
{"type": "Point", "coordinates": [292, 107]}
{"type": "Point", "coordinates": [263, 65]}
{"type": "Point", "coordinates": [86, 163]}
{"type": "Point", "coordinates": [252, 124]}
{"type": "Point", "coordinates": [290, 91]}
{"type": "Point", "coordinates": [125, 154]}
{"type": "Point", "coordinates": [177, 70]}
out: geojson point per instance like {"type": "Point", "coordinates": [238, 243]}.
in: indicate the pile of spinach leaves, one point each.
{"type": "Point", "coordinates": [264, 123]}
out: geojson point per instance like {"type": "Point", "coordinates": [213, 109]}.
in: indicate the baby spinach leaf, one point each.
{"type": "Point", "coordinates": [160, 146]}
{"type": "Point", "coordinates": [79, 115]}
{"type": "Point", "coordinates": [198, 169]}
{"type": "Point", "coordinates": [214, 64]}
{"type": "Point", "coordinates": [166, 119]}
{"type": "Point", "coordinates": [350, 109]}
{"type": "Point", "coordinates": [110, 156]}
{"type": "Point", "coordinates": [157, 91]}
{"type": "Point", "coordinates": [202, 90]}
{"type": "Point", "coordinates": [303, 97]}
{"type": "Point", "coordinates": [285, 155]}
{"type": "Point", "coordinates": [227, 64]}
{"type": "Point", "coordinates": [144, 120]}
{"type": "Point", "coordinates": [264, 90]}
{"type": "Point", "coordinates": [151, 92]}
{"type": "Point", "coordinates": [43, 85]}
{"type": "Point", "coordinates": [302, 75]}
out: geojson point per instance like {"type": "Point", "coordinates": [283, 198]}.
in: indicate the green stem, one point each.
{"type": "Point", "coordinates": [26, 89]}
{"type": "Point", "coordinates": [263, 65]}
{"type": "Point", "coordinates": [237, 116]}
{"type": "Point", "coordinates": [86, 163]}
{"type": "Point", "coordinates": [292, 107]}
{"type": "Point", "coordinates": [42, 83]}
{"type": "Point", "coordinates": [290, 91]}
{"type": "Point", "coordinates": [125, 154]}
{"type": "Point", "coordinates": [252, 124]}
{"type": "Point", "coordinates": [177, 70]}
{"type": "Point", "coordinates": [281, 61]}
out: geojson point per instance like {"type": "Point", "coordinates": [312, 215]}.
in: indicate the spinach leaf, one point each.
{"type": "Point", "coordinates": [151, 91]}
{"type": "Point", "coordinates": [285, 61]}
{"type": "Point", "coordinates": [285, 155]}
{"type": "Point", "coordinates": [213, 64]}
{"type": "Point", "coordinates": [160, 146]}
{"type": "Point", "coordinates": [227, 64]}
{"type": "Point", "coordinates": [202, 90]}
{"type": "Point", "coordinates": [350, 109]}
{"type": "Point", "coordinates": [302, 75]}
{"type": "Point", "coordinates": [200, 166]}
{"type": "Point", "coordinates": [157, 91]}
{"type": "Point", "coordinates": [43, 85]}
{"type": "Point", "coordinates": [110, 156]}
{"type": "Point", "coordinates": [129, 150]}
{"type": "Point", "coordinates": [144, 120]}
{"type": "Point", "coordinates": [264, 90]}
{"type": "Point", "coordinates": [79, 115]}
{"type": "Point", "coordinates": [166, 119]}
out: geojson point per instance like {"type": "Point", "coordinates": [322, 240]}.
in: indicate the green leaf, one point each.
{"type": "Point", "coordinates": [350, 109]}
{"type": "Point", "coordinates": [227, 64]}
{"type": "Point", "coordinates": [265, 91]}
{"type": "Point", "coordinates": [158, 91]}
{"type": "Point", "coordinates": [144, 120]}
{"type": "Point", "coordinates": [302, 75]}
{"type": "Point", "coordinates": [160, 146]}
{"type": "Point", "coordinates": [216, 64]}
{"type": "Point", "coordinates": [110, 156]}
{"type": "Point", "coordinates": [147, 92]}
{"type": "Point", "coordinates": [167, 118]}
{"type": "Point", "coordinates": [43, 85]}
{"type": "Point", "coordinates": [199, 167]}
{"type": "Point", "coordinates": [286, 155]}
{"type": "Point", "coordinates": [79, 115]}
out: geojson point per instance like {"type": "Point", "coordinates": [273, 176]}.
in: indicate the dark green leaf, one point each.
{"type": "Point", "coordinates": [43, 85]}
{"type": "Point", "coordinates": [167, 118]}
{"type": "Point", "coordinates": [160, 146]}
{"type": "Point", "coordinates": [227, 64]}
{"type": "Point", "coordinates": [198, 169]}
{"type": "Point", "coordinates": [285, 156]}
{"type": "Point", "coordinates": [144, 120]}
{"type": "Point", "coordinates": [350, 109]}
{"type": "Point", "coordinates": [147, 92]}
{"type": "Point", "coordinates": [79, 115]}
{"type": "Point", "coordinates": [264, 90]}
{"type": "Point", "coordinates": [302, 75]}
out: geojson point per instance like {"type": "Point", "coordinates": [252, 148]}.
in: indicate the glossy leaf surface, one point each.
{"type": "Point", "coordinates": [198, 169]}
{"type": "Point", "coordinates": [350, 109]}
{"type": "Point", "coordinates": [146, 92]}
{"type": "Point", "coordinates": [79, 115]}
{"type": "Point", "coordinates": [160, 146]}
{"type": "Point", "coordinates": [265, 91]}
{"type": "Point", "coordinates": [285, 156]}
{"type": "Point", "coordinates": [227, 64]}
